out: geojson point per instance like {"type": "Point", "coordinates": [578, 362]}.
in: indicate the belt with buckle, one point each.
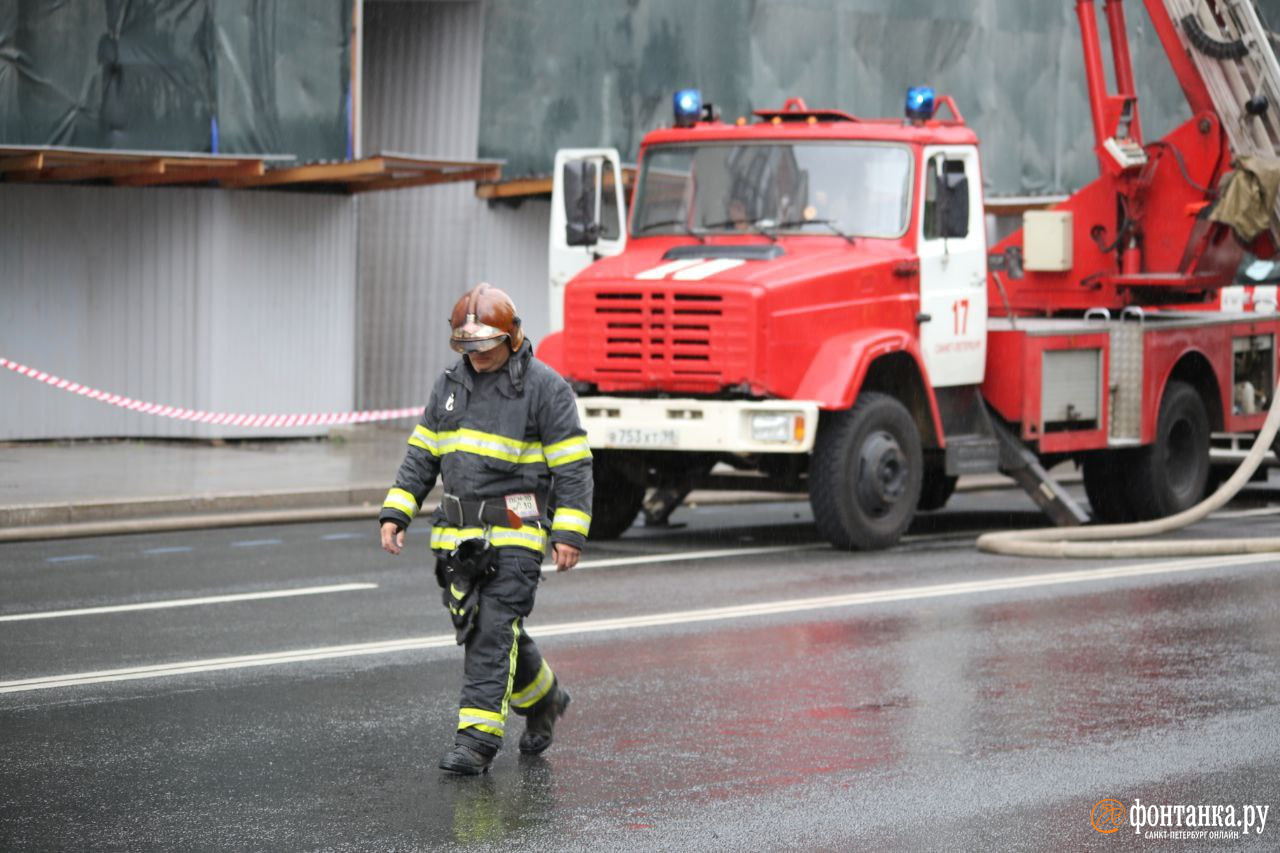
{"type": "Point", "coordinates": [486, 513]}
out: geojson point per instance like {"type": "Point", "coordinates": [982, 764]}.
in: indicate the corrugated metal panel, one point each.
{"type": "Point", "coordinates": [421, 96]}
{"type": "Point", "coordinates": [197, 298]}
{"type": "Point", "coordinates": [280, 313]}
{"type": "Point", "coordinates": [510, 250]}
{"type": "Point", "coordinates": [419, 249]}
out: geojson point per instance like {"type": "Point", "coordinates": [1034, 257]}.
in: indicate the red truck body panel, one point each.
{"type": "Point", "coordinates": [759, 325]}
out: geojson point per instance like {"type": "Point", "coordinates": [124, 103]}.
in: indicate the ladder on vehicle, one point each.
{"type": "Point", "coordinates": [1233, 54]}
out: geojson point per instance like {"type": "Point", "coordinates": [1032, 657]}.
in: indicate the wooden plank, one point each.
{"type": "Point", "coordinates": [24, 163]}
{"type": "Point", "coordinates": [397, 163]}
{"type": "Point", "coordinates": [186, 174]}
{"type": "Point", "coordinates": [518, 188]}
{"type": "Point", "coordinates": [103, 169]}
{"type": "Point", "coordinates": [541, 186]}
{"type": "Point", "coordinates": [318, 173]}
{"type": "Point", "coordinates": [482, 173]}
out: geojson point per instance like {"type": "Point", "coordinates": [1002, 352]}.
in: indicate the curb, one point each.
{"type": "Point", "coordinates": [131, 509]}
{"type": "Point", "coordinates": [185, 522]}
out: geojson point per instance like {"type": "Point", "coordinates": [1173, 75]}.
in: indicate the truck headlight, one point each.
{"type": "Point", "coordinates": [775, 427]}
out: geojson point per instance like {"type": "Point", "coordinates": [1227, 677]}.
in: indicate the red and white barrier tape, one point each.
{"type": "Point", "coordinates": [217, 418]}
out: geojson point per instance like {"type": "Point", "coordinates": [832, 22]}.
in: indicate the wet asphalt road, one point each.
{"type": "Point", "coordinates": [895, 710]}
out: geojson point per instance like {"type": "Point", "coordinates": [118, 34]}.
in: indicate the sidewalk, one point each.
{"type": "Point", "coordinates": [67, 483]}
{"type": "Point", "coordinates": [84, 488]}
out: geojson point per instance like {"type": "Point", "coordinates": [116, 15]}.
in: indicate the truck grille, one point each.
{"type": "Point", "coordinates": [674, 338]}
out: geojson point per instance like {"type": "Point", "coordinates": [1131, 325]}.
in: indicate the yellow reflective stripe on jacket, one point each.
{"type": "Point", "coordinates": [403, 501]}
{"type": "Point", "coordinates": [490, 444]}
{"type": "Point", "coordinates": [426, 439]}
{"type": "Point", "coordinates": [529, 696]}
{"type": "Point", "coordinates": [571, 519]}
{"type": "Point", "coordinates": [447, 538]}
{"type": "Point", "coordinates": [569, 450]}
{"type": "Point", "coordinates": [478, 718]}
{"type": "Point", "coordinates": [533, 538]}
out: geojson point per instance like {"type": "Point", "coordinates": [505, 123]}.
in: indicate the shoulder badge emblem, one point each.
{"type": "Point", "coordinates": [448, 404]}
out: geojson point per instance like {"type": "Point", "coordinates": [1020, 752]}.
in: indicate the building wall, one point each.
{"type": "Point", "coordinates": [421, 248]}
{"type": "Point", "coordinates": [208, 299]}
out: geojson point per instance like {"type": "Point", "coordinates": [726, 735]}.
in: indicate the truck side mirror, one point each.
{"type": "Point", "coordinates": [953, 201]}
{"type": "Point", "coordinates": [581, 188]}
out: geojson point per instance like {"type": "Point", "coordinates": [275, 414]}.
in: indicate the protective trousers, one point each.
{"type": "Point", "coordinates": [504, 669]}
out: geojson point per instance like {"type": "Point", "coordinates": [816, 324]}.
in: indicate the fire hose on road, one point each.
{"type": "Point", "coordinates": [1101, 541]}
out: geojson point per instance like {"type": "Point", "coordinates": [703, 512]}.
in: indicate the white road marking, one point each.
{"type": "Point", "coordinates": [680, 617]}
{"type": "Point", "coordinates": [254, 543]}
{"type": "Point", "coordinates": [334, 537]}
{"type": "Point", "coordinates": [177, 549]}
{"type": "Point", "coordinates": [1248, 513]}
{"type": "Point", "coordinates": [679, 557]}
{"type": "Point", "coordinates": [186, 602]}
{"type": "Point", "coordinates": [214, 664]}
{"type": "Point", "coordinates": [71, 558]}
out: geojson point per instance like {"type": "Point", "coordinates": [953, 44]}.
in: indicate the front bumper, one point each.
{"type": "Point", "coordinates": [723, 426]}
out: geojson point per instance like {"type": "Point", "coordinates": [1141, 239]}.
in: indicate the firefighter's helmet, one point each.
{"type": "Point", "coordinates": [484, 318]}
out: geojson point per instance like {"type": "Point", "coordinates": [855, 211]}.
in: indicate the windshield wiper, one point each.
{"type": "Point", "coordinates": [827, 222]}
{"type": "Point", "coordinates": [754, 224]}
{"type": "Point", "coordinates": [684, 228]}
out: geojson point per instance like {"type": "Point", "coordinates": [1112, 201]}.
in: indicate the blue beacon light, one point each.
{"type": "Point", "coordinates": [688, 107]}
{"type": "Point", "coordinates": [919, 103]}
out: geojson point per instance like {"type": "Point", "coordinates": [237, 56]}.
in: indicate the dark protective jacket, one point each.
{"type": "Point", "coordinates": [489, 437]}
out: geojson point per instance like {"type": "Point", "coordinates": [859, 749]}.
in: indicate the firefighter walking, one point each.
{"type": "Point", "coordinates": [501, 431]}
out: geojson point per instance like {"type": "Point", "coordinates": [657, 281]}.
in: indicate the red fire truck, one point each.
{"type": "Point", "coordinates": [810, 295]}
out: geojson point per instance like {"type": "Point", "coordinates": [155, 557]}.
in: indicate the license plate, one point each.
{"type": "Point", "coordinates": [630, 437]}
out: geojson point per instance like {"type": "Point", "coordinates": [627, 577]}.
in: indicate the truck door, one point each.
{"type": "Point", "coordinates": [588, 217]}
{"type": "Point", "coordinates": [953, 266]}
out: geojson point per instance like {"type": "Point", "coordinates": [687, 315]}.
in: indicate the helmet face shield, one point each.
{"type": "Point", "coordinates": [465, 346]}
{"type": "Point", "coordinates": [475, 336]}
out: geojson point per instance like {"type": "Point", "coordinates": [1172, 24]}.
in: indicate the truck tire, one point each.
{"type": "Point", "coordinates": [864, 480]}
{"type": "Point", "coordinates": [1169, 475]}
{"type": "Point", "coordinates": [936, 488]}
{"type": "Point", "coordinates": [617, 496]}
{"type": "Point", "coordinates": [1104, 486]}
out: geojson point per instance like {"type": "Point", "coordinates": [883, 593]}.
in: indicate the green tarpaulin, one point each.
{"type": "Point", "coordinates": [231, 76]}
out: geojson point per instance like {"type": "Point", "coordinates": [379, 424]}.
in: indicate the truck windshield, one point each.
{"type": "Point", "coordinates": [859, 189]}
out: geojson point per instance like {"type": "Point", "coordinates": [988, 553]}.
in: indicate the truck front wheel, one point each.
{"type": "Point", "coordinates": [865, 477]}
{"type": "Point", "coordinates": [618, 493]}
{"type": "Point", "coordinates": [1168, 475]}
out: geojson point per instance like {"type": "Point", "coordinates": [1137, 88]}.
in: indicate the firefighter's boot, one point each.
{"type": "Point", "coordinates": [540, 726]}
{"type": "Point", "coordinates": [465, 760]}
